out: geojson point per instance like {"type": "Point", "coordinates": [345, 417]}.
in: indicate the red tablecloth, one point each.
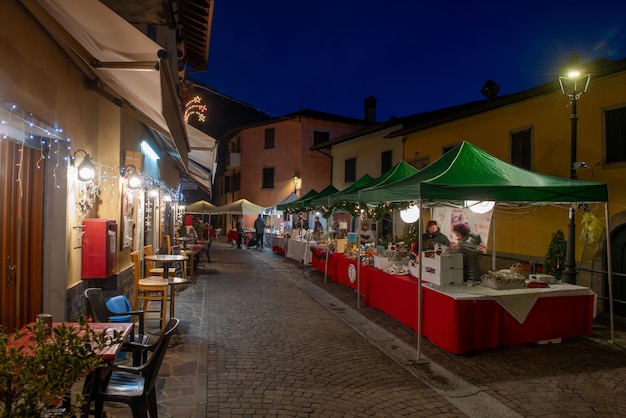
{"type": "Point", "coordinates": [461, 325]}
{"type": "Point", "coordinates": [232, 236]}
{"type": "Point", "coordinates": [318, 261]}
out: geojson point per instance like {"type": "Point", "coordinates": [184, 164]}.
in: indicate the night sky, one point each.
{"type": "Point", "coordinates": [413, 56]}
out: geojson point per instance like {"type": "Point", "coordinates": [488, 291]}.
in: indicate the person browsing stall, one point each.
{"type": "Point", "coordinates": [259, 227]}
{"type": "Point", "coordinates": [467, 245]}
{"type": "Point", "coordinates": [317, 226]}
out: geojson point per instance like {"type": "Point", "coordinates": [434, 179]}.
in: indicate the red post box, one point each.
{"type": "Point", "coordinates": [99, 248]}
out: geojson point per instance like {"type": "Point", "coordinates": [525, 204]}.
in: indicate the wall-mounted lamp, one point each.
{"type": "Point", "coordinates": [297, 181]}
{"type": "Point", "coordinates": [86, 168]}
{"type": "Point", "coordinates": [133, 179]}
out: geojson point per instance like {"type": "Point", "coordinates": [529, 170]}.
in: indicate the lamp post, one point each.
{"type": "Point", "coordinates": [573, 86]}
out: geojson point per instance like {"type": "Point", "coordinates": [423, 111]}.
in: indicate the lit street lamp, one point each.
{"type": "Point", "coordinates": [573, 86]}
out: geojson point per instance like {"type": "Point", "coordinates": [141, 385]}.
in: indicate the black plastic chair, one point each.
{"type": "Point", "coordinates": [100, 312]}
{"type": "Point", "coordinates": [135, 386]}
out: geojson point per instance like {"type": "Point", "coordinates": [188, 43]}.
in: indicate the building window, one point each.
{"type": "Point", "coordinates": [235, 145]}
{"type": "Point", "coordinates": [236, 179]}
{"type": "Point", "coordinates": [350, 170]}
{"type": "Point", "coordinates": [270, 135]}
{"type": "Point", "coordinates": [268, 178]}
{"type": "Point", "coordinates": [615, 131]}
{"type": "Point", "coordinates": [227, 184]}
{"type": "Point", "coordinates": [385, 161]}
{"type": "Point", "coordinates": [419, 162]}
{"type": "Point", "coordinates": [521, 148]}
{"type": "Point", "coordinates": [320, 137]}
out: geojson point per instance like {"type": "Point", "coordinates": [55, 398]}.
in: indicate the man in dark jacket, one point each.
{"type": "Point", "coordinates": [433, 236]}
{"type": "Point", "coordinates": [259, 227]}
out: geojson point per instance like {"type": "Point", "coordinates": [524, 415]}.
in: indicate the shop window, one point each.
{"type": "Point", "coordinates": [615, 135]}
{"type": "Point", "coordinates": [420, 162]}
{"type": "Point", "coordinates": [236, 181]}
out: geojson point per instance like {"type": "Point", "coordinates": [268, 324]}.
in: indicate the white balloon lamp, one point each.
{"type": "Point", "coordinates": [410, 214]}
{"type": "Point", "coordinates": [480, 207]}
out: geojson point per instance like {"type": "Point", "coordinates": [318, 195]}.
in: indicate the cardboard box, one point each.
{"type": "Point", "coordinates": [444, 269]}
{"type": "Point", "coordinates": [341, 245]}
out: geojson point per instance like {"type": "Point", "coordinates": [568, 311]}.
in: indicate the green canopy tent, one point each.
{"type": "Point", "coordinates": [365, 181]}
{"type": "Point", "coordinates": [467, 172]}
{"type": "Point", "coordinates": [288, 205]}
{"type": "Point", "coordinates": [307, 204]}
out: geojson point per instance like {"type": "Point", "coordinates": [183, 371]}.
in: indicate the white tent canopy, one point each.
{"type": "Point", "coordinates": [240, 207]}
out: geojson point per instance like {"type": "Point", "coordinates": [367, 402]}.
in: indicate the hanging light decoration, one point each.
{"type": "Point", "coordinates": [477, 206]}
{"type": "Point", "coordinates": [410, 214]}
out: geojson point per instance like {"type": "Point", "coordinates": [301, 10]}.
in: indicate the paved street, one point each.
{"type": "Point", "coordinates": [263, 336]}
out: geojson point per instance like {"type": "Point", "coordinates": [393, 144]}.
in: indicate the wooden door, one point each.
{"type": "Point", "coordinates": [21, 219]}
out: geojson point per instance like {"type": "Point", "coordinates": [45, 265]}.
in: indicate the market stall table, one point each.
{"type": "Point", "coordinates": [299, 249]}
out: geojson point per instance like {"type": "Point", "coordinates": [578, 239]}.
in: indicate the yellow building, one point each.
{"type": "Point", "coordinates": [533, 129]}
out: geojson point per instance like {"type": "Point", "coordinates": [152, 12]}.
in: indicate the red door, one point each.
{"type": "Point", "coordinates": [21, 218]}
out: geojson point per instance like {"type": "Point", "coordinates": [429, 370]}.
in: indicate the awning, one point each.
{"type": "Point", "coordinates": [121, 62]}
{"type": "Point", "coordinates": [202, 161]}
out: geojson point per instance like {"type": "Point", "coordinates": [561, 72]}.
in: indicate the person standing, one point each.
{"type": "Point", "coordinates": [433, 236]}
{"type": "Point", "coordinates": [317, 226]}
{"type": "Point", "coordinates": [468, 246]}
{"type": "Point", "coordinates": [259, 226]}
{"type": "Point", "coordinates": [239, 232]}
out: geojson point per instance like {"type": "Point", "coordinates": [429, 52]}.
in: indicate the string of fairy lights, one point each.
{"type": "Point", "coordinates": [18, 125]}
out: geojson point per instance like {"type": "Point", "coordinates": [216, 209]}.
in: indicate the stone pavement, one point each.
{"type": "Point", "coordinates": [262, 335]}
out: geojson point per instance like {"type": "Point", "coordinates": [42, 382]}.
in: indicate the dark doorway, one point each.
{"type": "Point", "coordinates": [618, 258]}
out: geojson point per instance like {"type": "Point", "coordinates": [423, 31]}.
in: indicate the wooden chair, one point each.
{"type": "Point", "coordinates": [146, 291]}
{"type": "Point", "coordinates": [135, 386]}
{"type": "Point", "coordinates": [155, 271]}
{"type": "Point", "coordinates": [168, 243]}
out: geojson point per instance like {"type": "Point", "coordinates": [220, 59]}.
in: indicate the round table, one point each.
{"type": "Point", "coordinates": [184, 241]}
{"type": "Point", "coordinates": [160, 281]}
{"type": "Point", "coordinates": [166, 260]}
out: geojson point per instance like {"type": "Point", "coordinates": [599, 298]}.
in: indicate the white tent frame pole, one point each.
{"type": "Point", "coordinates": [419, 281]}
{"type": "Point", "coordinates": [358, 262]}
{"type": "Point", "coordinates": [609, 263]}
{"type": "Point", "coordinates": [493, 239]}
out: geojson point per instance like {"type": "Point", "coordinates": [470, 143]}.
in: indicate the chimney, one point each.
{"type": "Point", "coordinates": [370, 109]}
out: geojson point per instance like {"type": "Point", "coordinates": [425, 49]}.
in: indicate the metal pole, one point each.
{"type": "Point", "coordinates": [569, 272]}
{"type": "Point", "coordinates": [609, 263]}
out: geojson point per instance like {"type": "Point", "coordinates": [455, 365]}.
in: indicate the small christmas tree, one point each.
{"type": "Point", "coordinates": [554, 261]}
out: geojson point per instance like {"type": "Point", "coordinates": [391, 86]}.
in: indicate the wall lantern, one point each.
{"type": "Point", "coordinates": [86, 168]}
{"type": "Point", "coordinates": [133, 179]}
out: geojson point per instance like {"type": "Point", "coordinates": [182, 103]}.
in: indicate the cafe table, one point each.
{"type": "Point", "coordinates": [160, 281]}
{"type": "Point", "coordinates": [184, 241]}
{"type": "Point", "coordinates": [109, 354]}
{"type": "Point", "coordinates": [166, 260]}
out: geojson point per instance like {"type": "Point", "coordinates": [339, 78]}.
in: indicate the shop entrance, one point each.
{"type": "Point", "coordinates": [21, 221]}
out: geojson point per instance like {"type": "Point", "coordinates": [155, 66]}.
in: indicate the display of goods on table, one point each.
{"type": "Point", "coordinates": [387, 258]}
{"type": "Point", "coordinates": [503, 279]}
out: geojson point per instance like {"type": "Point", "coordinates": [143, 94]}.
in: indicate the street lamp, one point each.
{"type": "Point", "coordinates": [573, 86]}
{"type": "Point", "coordinates": [296, 183]}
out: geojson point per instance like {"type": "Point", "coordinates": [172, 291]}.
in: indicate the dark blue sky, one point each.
{"type": "Point", "coordinates": [412, 55]}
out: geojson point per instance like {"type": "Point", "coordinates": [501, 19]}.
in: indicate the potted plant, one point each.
{"type": "Point", "coordinates": [36, 376]}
